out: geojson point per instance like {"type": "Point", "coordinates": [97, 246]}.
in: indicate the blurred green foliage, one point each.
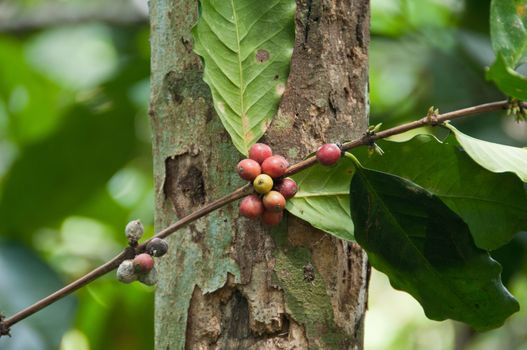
{"type": "Point", "coordinates": [75, 164]}
{"type": "Point", "coordinates": [434, 53]}
{"type": "Point", "coordinates": [508, 33]}
{"type": "Point", "coordinates": [75, 167]}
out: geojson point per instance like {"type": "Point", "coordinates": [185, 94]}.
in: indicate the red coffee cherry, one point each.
{"type": "Point", "coordinates": [251, 207]}
{"type": "Point", "coordinates": [287, 187]}
{"type": "Point", "coordinates": [272, 218]}
{"type": "Point", "coordinates": [143, 263]}
{"type": "Point", "coordinates": [248, 169]}
{"type": "Point", "coordinates": [260, 152]}
{"type": "Point", "coordinates": [275, 166]}
{"type": "Point", "coordinates": [274, 201]}
{"type": "Point", "coordinates": [328, 154]}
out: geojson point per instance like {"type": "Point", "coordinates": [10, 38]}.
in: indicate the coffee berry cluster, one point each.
{"type": "Point", "coordinates": [265, 171]}
{"type": "Point", "coordinates": [141, 268]}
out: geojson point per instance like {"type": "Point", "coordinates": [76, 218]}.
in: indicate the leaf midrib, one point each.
{"type": "Point", "coordinates": [480, 199]}
{"type": "Point", "coordinates": [321, 194]}
{"type": "Point", "coordinates": [244, 121]}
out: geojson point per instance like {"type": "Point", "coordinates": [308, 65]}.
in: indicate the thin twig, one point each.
{"type": "Point", "coordinates": [111, 265]}
{"type": "Point", "coordinates": [70, 288]}
{"type": "Point", "coordinates": [128, 253]}
{"type": "Point", "coordinates": [367, 139]}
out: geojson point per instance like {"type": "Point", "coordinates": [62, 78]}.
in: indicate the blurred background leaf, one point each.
{"type": "Point", "coordinates": [508, 32]}
{"type": "Point", "coordinates": [75, 167]}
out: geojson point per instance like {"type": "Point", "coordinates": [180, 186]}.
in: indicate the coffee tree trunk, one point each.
{"type": "Point", "coordinates": [227, 282]}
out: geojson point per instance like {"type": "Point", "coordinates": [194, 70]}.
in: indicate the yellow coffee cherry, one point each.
{"type": "Point", "coordinates": [263, 183]}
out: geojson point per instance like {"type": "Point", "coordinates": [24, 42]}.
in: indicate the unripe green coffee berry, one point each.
{"type": "Point", "coordinates": [134, 231]}
{"type": "Point", "coordinates": [157, 247]}
{"type": "Point", "coordinates": [263, 183]}
{"type": "Point", "coordinates": [150, 278]}
{"type": "Point", "coordinates": [126, 272]}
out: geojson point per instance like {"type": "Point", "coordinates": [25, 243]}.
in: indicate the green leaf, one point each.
{"type": "Point", "coordinates": [507, 79]}
{"type": "Point", "coordinates": [247, 47]}
{"type": "Point", "coordinates": [494, 206]}
{"type": "Point", "coordinates": [493, 156]}
{"type": "Point", "coordinates": [323, 198]}
{"type": "Point", "coordinates": [26, 279]}
{"type": "Point", "coordinates": [427, 251]}
{"type": "Point", "coordinates": [508, 22]}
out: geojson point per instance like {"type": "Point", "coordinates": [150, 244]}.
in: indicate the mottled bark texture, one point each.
{"type": "Point", "coordinates": [229, 283]}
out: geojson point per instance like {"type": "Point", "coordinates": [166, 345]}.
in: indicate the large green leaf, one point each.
{"type": "Point", "coordinates": [26, 279]}
{"type": "Point", "coordinates": [493, 156]}
{"type": "Point", "coordinates": [508, 22]}
{"type": "Point", "coordinates": [494, 206]}
{"type": "Point", "coordinates": [507, 79]}
{"type": "Point", "coordinates": [323, 198]}
{"type": "Point", "coordinates": [247, 47]}
{"type": "Point", "coordinates": [427, 251]}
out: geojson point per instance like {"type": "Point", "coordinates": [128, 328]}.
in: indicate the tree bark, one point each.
{"type": "Point", "coordinates": [229, 283]}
